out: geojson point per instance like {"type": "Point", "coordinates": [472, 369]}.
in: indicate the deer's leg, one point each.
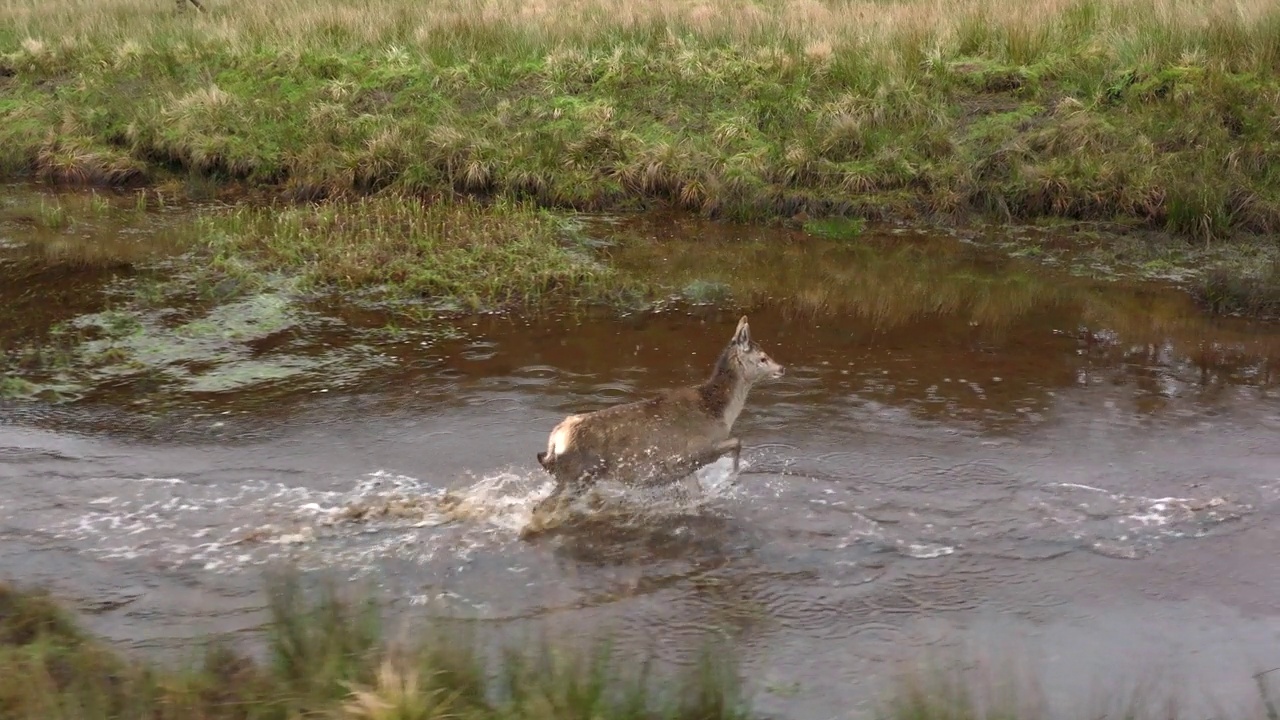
{"type": "Point", "coordinates": [546, 512]}
{"type": "Point", "coordinates": [719, 450]}
{"type": "Point", "coordinates": [677, 469]}
{"type": "Point", "coordinates": [733, 445]}
{"type": "Point", "coordinates": [574, 473]}
{"type": "Point", "coordinates": [547, 506]}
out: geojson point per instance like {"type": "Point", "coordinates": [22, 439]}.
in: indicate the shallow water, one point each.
{"type": "Point", "coordinates": [967, 454]}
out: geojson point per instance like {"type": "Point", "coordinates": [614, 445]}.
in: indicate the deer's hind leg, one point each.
{"type": "Point", "coordinates": [548, 510]}
{"type": "Point", "coordinates": [574, 474]}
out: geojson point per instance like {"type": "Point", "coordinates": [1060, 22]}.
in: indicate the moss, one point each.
{"type": "Point", "coordinates": [836, 228]}
{"type": "Point", "coordinates": [16, 388]}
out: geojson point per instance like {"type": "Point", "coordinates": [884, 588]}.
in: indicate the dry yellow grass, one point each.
{"type": "Point", "coordinates": [823, 26]}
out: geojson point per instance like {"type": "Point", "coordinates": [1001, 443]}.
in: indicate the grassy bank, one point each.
{"type": "Point", "coordinates": [328, 657]}
{"type": "Point", "coordinates": [1162, 113]}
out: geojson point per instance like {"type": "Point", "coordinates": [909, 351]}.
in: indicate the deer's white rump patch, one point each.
{"type": "Point", "coordinates": [562, 435]}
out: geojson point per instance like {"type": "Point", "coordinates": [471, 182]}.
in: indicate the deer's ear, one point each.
{"type": "Point", "coordinates": [742, 336]}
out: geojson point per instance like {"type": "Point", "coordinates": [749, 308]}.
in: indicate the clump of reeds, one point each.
{"type": "Point", "coordinates": [328, 656]}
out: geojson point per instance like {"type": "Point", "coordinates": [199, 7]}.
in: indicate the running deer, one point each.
{"type": "Point", "coordinates": [662, 439]}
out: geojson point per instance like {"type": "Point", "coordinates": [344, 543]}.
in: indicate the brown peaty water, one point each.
{"type": "Point", "coordinates": [966, 454]}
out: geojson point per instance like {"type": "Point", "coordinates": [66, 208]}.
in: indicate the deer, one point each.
{"type": "Point", "coordinates": [658, 440]}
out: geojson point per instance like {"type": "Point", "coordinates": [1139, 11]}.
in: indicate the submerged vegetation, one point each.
{"type": "Point", "coordinates": [1160, 113]}
{"type": "Point", "coordinates": [1253, 293]}
{"type": "Point", "coordinates": [217, 299]}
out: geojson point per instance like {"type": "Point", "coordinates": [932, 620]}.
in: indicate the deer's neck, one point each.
{"type": "Point", "coordinates": [725, 393]}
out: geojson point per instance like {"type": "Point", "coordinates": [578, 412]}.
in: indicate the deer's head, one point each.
{"type": "Point", "coordinates": [749, 359]}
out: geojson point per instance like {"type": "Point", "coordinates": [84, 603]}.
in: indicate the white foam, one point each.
{"type": "Point", "coordinates": [383, 515]}
{"type": "Point", "coordinates": [1079, 486]}
{"type": "Point", "coordinates": [1123, 525]}
{"type": "Point", "coordinates": [504, 499]}
{"type": "Point", "coordinates": [925, 551]}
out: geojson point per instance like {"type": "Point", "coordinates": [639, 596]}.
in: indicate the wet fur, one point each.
{"type": "Point", "coordinates": [661, 439]}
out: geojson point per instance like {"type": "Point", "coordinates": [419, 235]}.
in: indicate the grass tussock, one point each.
{"type": "Point", "coordinates": [474, 255]}
{"type": "Point", "coordinates": [1161, 112]}
{"type": "Point", "coordinates": [68, 162]}
{"type": "Point", "coordinates": [1254, 294]}
{"type": "Point", "coordinates": [942, 693]}
{"type": "Point", "coordinates": [979, 689]}
{"type": "Point", "coordinates": [327, 657]}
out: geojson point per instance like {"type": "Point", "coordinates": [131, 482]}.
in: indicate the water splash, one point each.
{"type": "Point", "coordinates": [384, 516]}
{"type": "Point", "coordinates": [502, 500]}
{"type": "Point", "coordinates": [1129, 526]}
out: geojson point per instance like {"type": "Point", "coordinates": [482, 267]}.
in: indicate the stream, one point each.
{"type": "Point", "coordinates": [968, 454]}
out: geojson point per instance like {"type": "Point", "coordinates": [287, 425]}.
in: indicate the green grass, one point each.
{"type": "Point", "coordinates": [43, 215]}
{"type": "Point", "coordinates": [328, 657]}
{"type": "Point", "coordinates": [330, 654]}
{"type": "Point", "coordinates": [836, 228]}
{"type": "Point", "coordinates": [1162, 113]}
{"type": "Point", "coordinates": [471, 255]}
{"type": "Point", "coordinates": [13, 387]}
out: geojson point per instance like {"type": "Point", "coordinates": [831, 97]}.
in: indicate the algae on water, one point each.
{"type": "Point", "coordinates": [137, 340]}
{"type": "Point", "coordinates": [253, 318]}
{"type": "Point", "coordinates": [240, 374]}
{"type": "Point", "coordinates": [213, 352]}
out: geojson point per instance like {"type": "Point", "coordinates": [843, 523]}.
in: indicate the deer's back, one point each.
{"type": "Point", "coordinates": [627, 439]}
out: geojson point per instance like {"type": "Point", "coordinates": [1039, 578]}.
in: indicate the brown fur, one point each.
{"type": "Point", "coordinates": [660, 439]}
